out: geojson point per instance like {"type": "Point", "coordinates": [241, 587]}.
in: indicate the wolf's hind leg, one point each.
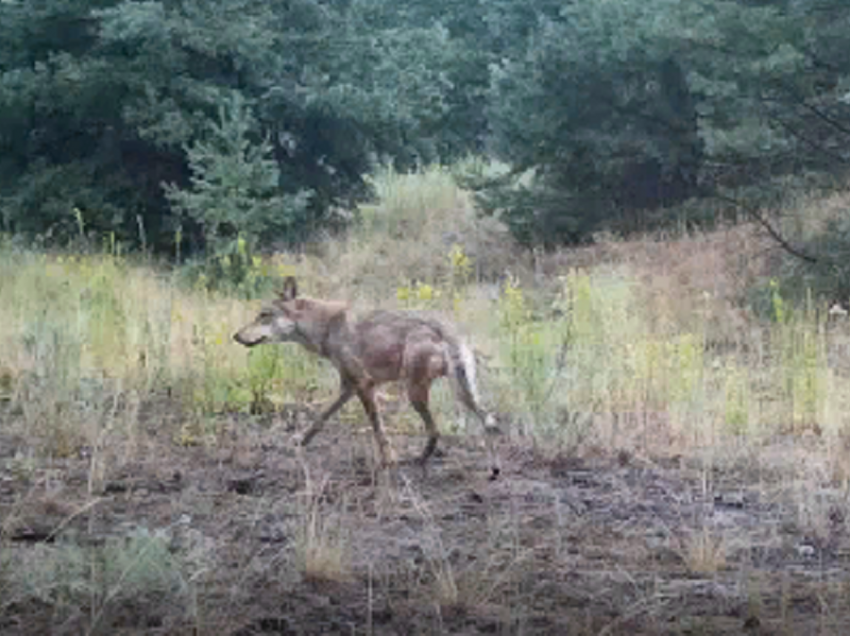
{"type": "Point", "coordinates": [424, 367]}
{"type": "Point", "coordinates": [419, 400]}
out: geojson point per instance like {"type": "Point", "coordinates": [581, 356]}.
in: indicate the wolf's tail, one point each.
{"type": "Point", "coordinates": [462, 363]}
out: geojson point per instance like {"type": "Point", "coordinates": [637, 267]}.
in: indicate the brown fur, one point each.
{"type": "Point", "coordinates": [384, 346]}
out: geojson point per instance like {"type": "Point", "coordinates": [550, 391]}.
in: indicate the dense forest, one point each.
{"type": "Point", "coordinates": [194, 121]}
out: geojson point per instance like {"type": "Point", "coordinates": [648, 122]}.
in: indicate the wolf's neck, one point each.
{"type": "Point", "coordinates": [336, 333]}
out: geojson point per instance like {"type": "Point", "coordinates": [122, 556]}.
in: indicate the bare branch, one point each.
{"type": "Point", "coordinates": [815, 145]}
{"type": "Point", "coordinates": [759, 218]}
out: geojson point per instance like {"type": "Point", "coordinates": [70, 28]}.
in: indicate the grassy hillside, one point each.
{"type": "Point", "coordinates": [642, 343]}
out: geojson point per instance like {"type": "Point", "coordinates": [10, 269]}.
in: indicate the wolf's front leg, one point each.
{"type": "Point", "coordinates": [367, 397]}
{"type": "Point", "coordinates": [310, 433]}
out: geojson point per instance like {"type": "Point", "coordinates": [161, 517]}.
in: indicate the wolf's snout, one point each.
{"type": "Point", "coordinates": [249, 337]}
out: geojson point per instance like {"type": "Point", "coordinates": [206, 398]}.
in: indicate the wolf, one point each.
{"type": "Point", "coordinates": [384, 346]}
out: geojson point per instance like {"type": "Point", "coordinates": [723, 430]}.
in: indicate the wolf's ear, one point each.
{"type": "Point", "coordinates": [289, 290]}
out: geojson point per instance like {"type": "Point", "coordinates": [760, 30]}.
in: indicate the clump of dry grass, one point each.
{"type": "Point", "coordinates": [703, 552]}
{"type": "Point", "coordinates": [322, 548]}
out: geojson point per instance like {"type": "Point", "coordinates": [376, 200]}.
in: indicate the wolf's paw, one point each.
{"type": "Point", "coordinates": [389, 458]}
{"type": "Point", "coordinates": [491, 426]}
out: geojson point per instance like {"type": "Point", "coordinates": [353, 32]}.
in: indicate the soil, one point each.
{"type": "Point", "coordinates": [277, 541]}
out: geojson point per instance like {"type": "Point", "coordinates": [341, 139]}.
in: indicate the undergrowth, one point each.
{"type": "Point", "coordinates": [593, 352]}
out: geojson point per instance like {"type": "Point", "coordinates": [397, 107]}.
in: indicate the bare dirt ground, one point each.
{"type": "Point", "coordinates": [277, 542]}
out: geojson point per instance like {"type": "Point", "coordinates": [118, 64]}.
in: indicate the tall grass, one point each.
{"type": "Point", "coordinates": [84, 336]}
{"type": "Point", "coordinates": [645, 343]}
{"type": "Point", "coordinates": [605, 360]}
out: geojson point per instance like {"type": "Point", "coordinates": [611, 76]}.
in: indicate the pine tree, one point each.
{"type": "Point", "coordinates": [235, 189]}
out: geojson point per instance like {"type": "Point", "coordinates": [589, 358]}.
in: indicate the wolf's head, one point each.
{"type": "Point", "coordinates": [292, 319]}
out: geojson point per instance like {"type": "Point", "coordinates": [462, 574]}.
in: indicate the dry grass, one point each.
{"type": "Point", "coordinates": [703, 553]}
{"type": "Point", "coordinates": [645, 344]}
{"type": "Point", "coordinates": [698, 281]}
{"type": "Point", "coordinates": [322, 549]}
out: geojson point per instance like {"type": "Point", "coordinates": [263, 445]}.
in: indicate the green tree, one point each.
{"type": "Point", "coordinates": [607, 111]}
{"type": "Point", "coordinates": [112, 96]}
{"type": "Point", "coordinates": [235, 188]}
{"type": "Point", "coordinates": [614, 109]}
